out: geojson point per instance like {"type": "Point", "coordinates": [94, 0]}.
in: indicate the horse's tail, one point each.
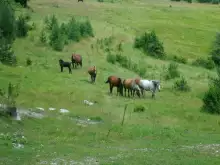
{"type": "Point", "coordinates": [107, 81]}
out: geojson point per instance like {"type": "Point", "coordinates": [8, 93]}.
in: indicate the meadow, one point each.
{"type": "Point", "coordinates": [172, 129]}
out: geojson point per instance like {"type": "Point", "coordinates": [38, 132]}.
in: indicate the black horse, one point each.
{"type": "Point", "coordinates": [80, 0]}
{"type": "Point", "coordinates": [65, 64]}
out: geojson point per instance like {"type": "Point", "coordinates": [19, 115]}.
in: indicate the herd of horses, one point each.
{"type": "Point", "coordinates": [131, 85]}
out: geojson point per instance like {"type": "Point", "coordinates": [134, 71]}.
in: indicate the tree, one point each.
{"type": "Point", "coordinates": [7, 32]}
{"type": "Point", "coordinates": [211, 99]}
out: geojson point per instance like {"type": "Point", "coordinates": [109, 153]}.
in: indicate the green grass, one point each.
{"type": "Point", "coordinates": [170, 121]}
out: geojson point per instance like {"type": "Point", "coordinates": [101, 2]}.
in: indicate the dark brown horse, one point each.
{"type": "Point", "coordinates": [65, 64]}
{"type": "Point", "coordinates": [93, 73]}
{"type": "Point", "coordinates": [76, 60]}
{"type": "Point", "coordinates": [115, 82]}
{"type": "Point", "coordinates": [131, 86]}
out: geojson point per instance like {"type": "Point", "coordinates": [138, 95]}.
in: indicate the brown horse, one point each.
{"type": "Point", "coordinates": [76, 59]}
{"type": "Point", "coordinates": [93, 73]}
{"type": "Point", "coordinates": [115, 82]}
{"type": "Point", "coordinates": [131, 86]}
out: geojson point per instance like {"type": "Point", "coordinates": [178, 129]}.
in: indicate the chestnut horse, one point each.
{"type": "Point", "coordinates": [92, 72]}
{"type": "Point", "coordinates": [65, 64]}
{"type": "Point", "coordinates": [115, 82]}
{"type": "Point", "coordinates": [76, 59]}
{"type": "Point", "coordinates": [131, 86]}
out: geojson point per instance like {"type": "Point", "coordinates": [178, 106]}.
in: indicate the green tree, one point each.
{"type": "Point", "coordinates": [7, 32]}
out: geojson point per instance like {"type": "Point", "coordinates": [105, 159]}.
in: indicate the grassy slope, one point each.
{"type": "Point", "coordinates": [170, 121]}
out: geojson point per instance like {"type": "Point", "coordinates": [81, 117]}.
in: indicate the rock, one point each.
{"type": "Point", "coordinates": [64, 111]}
{"type": "Point", "coordinates": [52, 109]}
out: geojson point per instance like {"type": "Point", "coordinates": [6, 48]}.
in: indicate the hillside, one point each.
{"type": "Point", "coordinates": [172, 130]}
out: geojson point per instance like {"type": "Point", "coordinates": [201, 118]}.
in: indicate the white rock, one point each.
{"type": "Point", "coordinates": [52, 109]}
{"type": "Point", "coordinates": [64, 111]}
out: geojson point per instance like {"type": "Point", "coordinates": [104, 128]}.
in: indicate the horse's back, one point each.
{"type": "Point", "coordinates": [77, 57]}
{"type": "Point", "coordinates": [114, 80]}
{"type": "Point", "coordinates": [147, 84]}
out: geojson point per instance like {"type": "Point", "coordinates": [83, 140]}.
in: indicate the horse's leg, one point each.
{"type": "Point", "coordinates": [70, 71]}
{"type": "Point", "coordinates": [80, 64]}
{"type": "Point", "coordinates": [125, 91]}
{"type": "Point", "coordinates": [111, 87]}
{"type": "Point", "coordinates": [61, 68]}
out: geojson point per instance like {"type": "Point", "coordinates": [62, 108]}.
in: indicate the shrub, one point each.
{"type": "Point", "coordinates": [181, 85]}
{"type": "Point", "coordinates": [215, 1]}
{"type": "Point", "coordinates": [139, 108]}
{"type": "Point", "coordinates": [56, 38]}
{"type": "Point", "coordinates": [28, 61]}
{"type": "Point", "coordinates": [43, 36]}
{"type": "Point", "coordinates": [208, 63]}
{"type": "Point", "coordinates": [50, 21]}
{"type": "Point", "coordinates": [21, 26]}
{"type": "Point", "coordinates": [7, 33]}
{"type": "Point", "coordinates": [6, 53]}
{"type": "Point", "coordinates": [215, 52]}
{"type": "Point", "coordinates": [172, 71]}
{"type": "Point", "coordinates": [111, 58]}
{"type": "Point", "coordinates": [179, 59]}
{"type": "Point", "coordinates": [7, 21]}
{"type": "Point", "coordinates": [73, 30]}
{"type": "Point", "coordinates": [86, 29]}
{"type": "Point", "coordinates": [22, 2]}
{"type": "Point", "coordinates": [211, 99]}
{"type": "Point", "coordinates": [150, 44]}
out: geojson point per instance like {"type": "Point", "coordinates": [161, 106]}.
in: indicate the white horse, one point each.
{"type": "Point", "coordinates": [148, 85]}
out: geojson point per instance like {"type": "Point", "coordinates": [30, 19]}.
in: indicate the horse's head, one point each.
{"type": "Point", "coordinates": [60, 61]}
{"type": "Point", "coordinates": [157, 84]}
{"type": "Point", "coordinates": [94, 68]}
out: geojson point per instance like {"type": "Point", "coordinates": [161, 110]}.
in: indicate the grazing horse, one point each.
{"type": "Point", "coordinates": [92, 72]}
{"type": "Point", "coordinates": [76, 59]}
{"type": "Point", "coordinates": [148, 85]}
{"type": "Point", "coordinates": [65, 64]}
{"type": "Point", "coordinates": [115, 82]}
{"type": "Point", "coordinates": [132, 87]}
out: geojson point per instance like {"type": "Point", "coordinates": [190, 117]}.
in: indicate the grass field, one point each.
{"type": "Point", "coordinates": [172, 130]}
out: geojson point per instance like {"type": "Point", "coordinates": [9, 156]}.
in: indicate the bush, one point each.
{"type": "Point", "coordinates": [22, 26]}
{"type": "Point", "coordinates": [215, 1]}
{"type": "Point", "coordinates": [111, 58]}
{"type": "Point", "coordinates": [215, 52]}
{"type": "Point", "coordinates": [150, 44]}
{"type": "Point", "coordinates": [172, 71]}
{"type": "Point", "coordinates": [139, 108]}
{"type": "Point", "coordinates": [7, 21]}
{"type": "Point", "coordinates": [181, 85]}
{"type": "Point", "coordinates": [22, 2]}
{"type": "Point", "coordinates": [28, 61]}
{"type": "Point", "coordinates": [56, 38]}
{"type": "Point", "coordinates": [211, 99]}
{"type": "Point", "coordinates": [7, 33]}
{"type": "Point", "coordinates": [179, 59]}
{"type": "Point", "coordinates": [209, 1]}
{"type": "Point", "coordinates": [50, 21]}
{"type": "Point", "coordinates": [73, 30]}
{"type": "Point", "coordinates": [43, 36]}
{"type": "Point", "coordinates": [208, 63]}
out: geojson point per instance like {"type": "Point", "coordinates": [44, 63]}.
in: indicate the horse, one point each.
{"type": "Point", "coordinates": [76, 59]}
{"type": "Point", "coordinates": [115, 81]}
{"type": "Point", "coordinates": [148, 85]}
{"type": "Point", "coordinates": [80, 0]}
{"type": "Point", "coordinates": [132, 87]}
{"type": "Point", "coordinates": [65, 64]}
{"type": "Point", "coordinates": [93, 73]}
